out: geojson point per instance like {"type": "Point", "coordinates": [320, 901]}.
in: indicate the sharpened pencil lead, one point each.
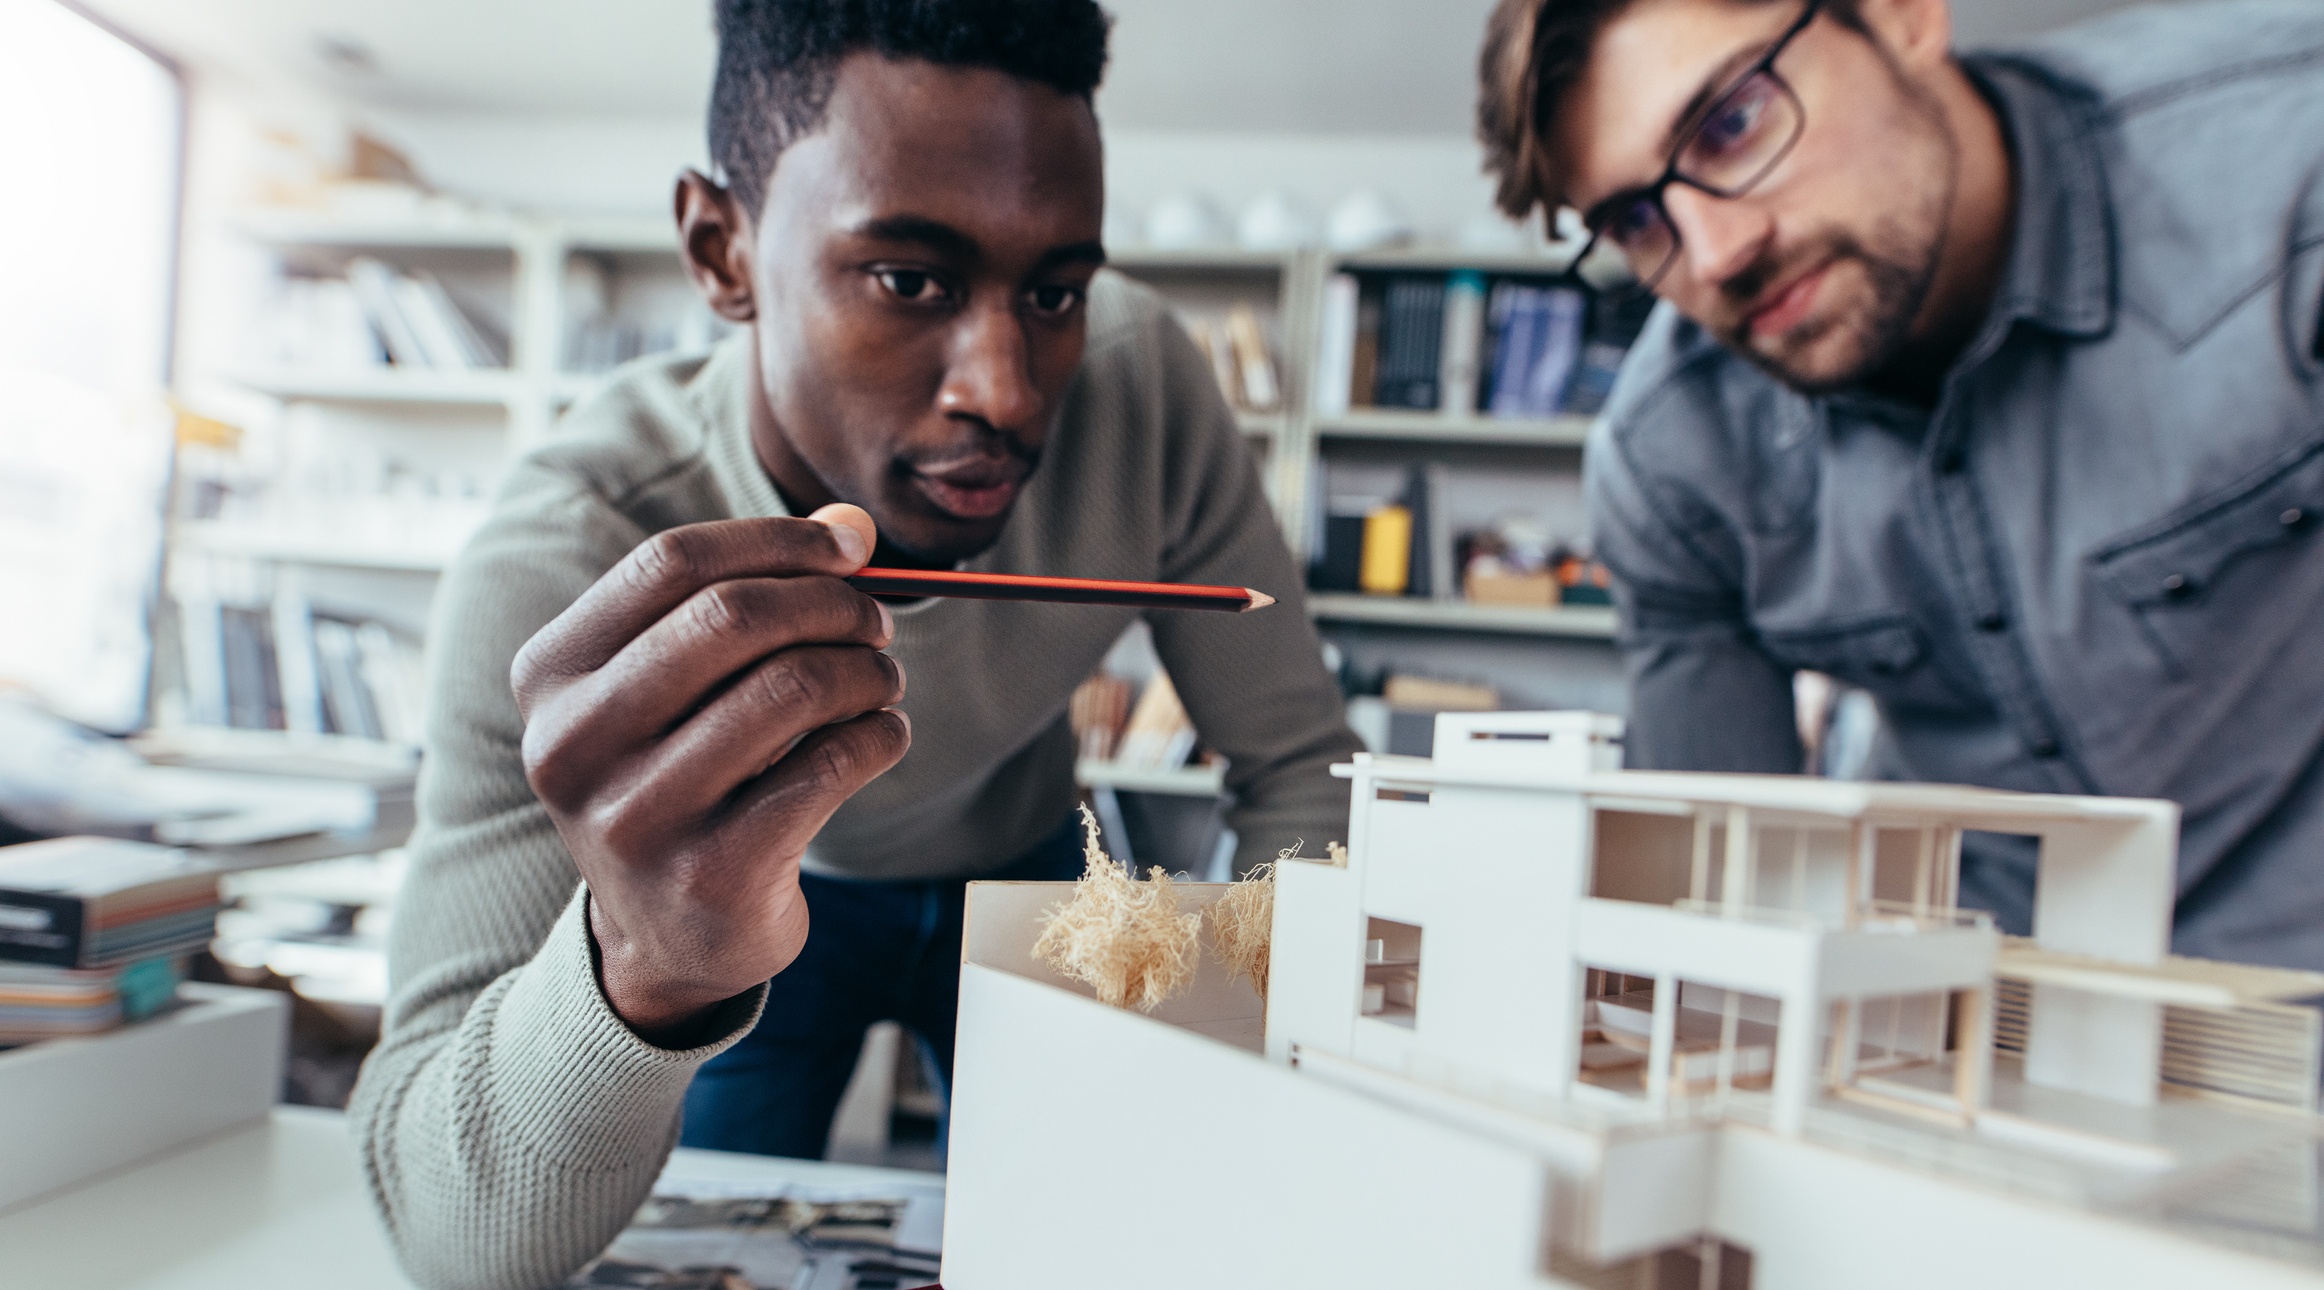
{"type": "Point", "coordinates": [1259, 600]}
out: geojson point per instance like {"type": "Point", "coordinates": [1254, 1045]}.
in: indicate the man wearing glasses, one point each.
{"type": "Point", "coordinates": [1992, 385]}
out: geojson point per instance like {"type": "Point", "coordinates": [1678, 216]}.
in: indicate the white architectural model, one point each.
{"type": "Point", "coordinates": [1546, 1022]}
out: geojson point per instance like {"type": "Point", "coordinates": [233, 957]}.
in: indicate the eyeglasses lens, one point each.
{"type": "Point", "coordinates": [1742, 137]}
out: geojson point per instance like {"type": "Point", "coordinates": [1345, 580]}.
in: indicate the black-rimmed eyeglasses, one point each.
{"type": "Point", "coordinates": [1725, 150]}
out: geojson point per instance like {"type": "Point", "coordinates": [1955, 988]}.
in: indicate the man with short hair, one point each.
{"type": "Point", "coordinates": [701, 844]}
{"type": "Point", "coordinates": [1992, 385]}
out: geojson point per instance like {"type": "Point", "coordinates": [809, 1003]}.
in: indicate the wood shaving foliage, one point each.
{"type": "Point", "coordinates": [1122, 937]}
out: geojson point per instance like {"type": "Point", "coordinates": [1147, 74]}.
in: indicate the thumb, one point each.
{"type": "Point", "coordinates": [852, 529]}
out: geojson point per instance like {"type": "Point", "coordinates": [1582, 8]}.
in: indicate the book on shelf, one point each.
{"type": "Point", "coordinates": [1536, 336]}
{"type": "Point", "coordinates": [1411, 342]}
{"type": "Point", "coordinates": [1254, 362]}
{"type": "Point", "coordinates": [90, 903]}
{"type": "Point", "coordinates": [1117, 721]}
{"type": "Point", "coordinates": [1240, 359]}
{"type": "Point", "coordinates": [1159, 735]}
{"type": "Point", "coordinates": [1364, 362]}
{"type": "Point", "coordinates": [1335, 364]}
{"type": "Point", "coordinates": [1458, 355]}
{"type": "Point", "coordinates": [287, 666]}
{"type": "Point", "coordinates": [416, 320]}
{"type": "Point", "coordinates": [1432, 545]}
{"type": "Point", "coordinates": [1098, 711]}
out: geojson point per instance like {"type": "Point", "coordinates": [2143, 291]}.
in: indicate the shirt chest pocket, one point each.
{"type": "Point", "coordinates": [1887, 656]}
{"type": "Point", "coordinates": [2237, 572]}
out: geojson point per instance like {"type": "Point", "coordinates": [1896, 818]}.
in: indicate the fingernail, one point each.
{"type": "Point", "coordinates": [850, 543]}
{"type": "Point", "coordinates": [904, 717]}
{"type": "Point", "coordinates": [887, 620]}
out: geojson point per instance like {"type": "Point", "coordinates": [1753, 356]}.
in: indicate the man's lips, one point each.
{"type": "Point", "coordinates": [977, 492]}
{"type": "Point", "coordinates": [1787, 308]}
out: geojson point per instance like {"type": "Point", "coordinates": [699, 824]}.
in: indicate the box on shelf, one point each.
{"type": "Point", "coordinates": [1514, 590]}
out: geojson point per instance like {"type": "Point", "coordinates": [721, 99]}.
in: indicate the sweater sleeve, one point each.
{"type": "Point", "coordinates": [509, 1123]}
{"type": "Point", "coordinates": [1254, 683]}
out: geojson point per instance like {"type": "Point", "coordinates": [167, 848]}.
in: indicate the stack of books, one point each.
{"type": "Point", "coordinates": [90, 931]}
{"type": "Point", "coordinates": [39, 1003]}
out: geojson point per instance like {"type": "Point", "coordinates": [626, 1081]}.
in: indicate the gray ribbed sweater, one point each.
{"type": "Point", "coordinates": [509, 1122]}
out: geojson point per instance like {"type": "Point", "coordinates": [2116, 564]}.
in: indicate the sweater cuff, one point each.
{"type": "Point", "coordinates": [555, 1027]}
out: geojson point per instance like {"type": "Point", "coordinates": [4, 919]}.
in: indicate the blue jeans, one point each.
{"type": "Point", "coordinates": [876, 951]}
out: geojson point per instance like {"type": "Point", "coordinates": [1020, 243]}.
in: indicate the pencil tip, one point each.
{"type": "Point", "coordinates": [1259, 600]}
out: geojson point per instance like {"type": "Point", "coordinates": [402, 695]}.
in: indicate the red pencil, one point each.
{"type": "Point", "coordinates": [1062, 591]}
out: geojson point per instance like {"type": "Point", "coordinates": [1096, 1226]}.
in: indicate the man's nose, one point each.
{"type": "Point", "coordinates": [1720, 237]}
{"type": "Point", "coordinates": [990, 375]}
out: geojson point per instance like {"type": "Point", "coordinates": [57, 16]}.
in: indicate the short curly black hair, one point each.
{"type": "Point", "coordinates": [776, 59]}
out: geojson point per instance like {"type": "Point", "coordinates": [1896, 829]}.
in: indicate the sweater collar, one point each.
{"type": "Point", "coordinates": [722, 395]}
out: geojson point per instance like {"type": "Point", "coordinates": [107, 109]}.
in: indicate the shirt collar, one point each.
{"type": "Point", "coordinates": [2062, 262]}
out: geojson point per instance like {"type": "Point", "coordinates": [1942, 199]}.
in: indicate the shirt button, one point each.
{"type": "Point", "coordinates": [1993, 622]}
{"type": "Point", "coordinates": [2294, 518]}
{"type": "Point", "coordinates": [2046, 748]}
{"type": "Point", "coordinates": [2177, 585]}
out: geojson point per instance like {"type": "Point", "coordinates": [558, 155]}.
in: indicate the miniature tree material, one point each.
{"type": "Point", "coordinates": [1123, 938]}
{"type": "Point", "coordinates": [1242, 924]}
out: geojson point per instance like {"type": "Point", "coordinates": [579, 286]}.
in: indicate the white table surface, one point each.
{"type": "Point", "coordinates": [279, 1203]}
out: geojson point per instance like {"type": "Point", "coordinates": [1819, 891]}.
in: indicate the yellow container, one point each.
{"type": "Point", "coordinates": [1387, 551]}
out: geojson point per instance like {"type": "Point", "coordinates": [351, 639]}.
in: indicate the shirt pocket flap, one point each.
{"type": "Point", "coordinates": [2186, 552]}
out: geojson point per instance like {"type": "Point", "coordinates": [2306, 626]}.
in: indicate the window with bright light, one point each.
{"type": "Point", "coordinates": [89, 163]}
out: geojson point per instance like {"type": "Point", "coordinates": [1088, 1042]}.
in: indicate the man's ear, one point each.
{"type": "Point", "coordinates": [714, 239]}
{"type": "Point", "coordinates": [1917, 33]}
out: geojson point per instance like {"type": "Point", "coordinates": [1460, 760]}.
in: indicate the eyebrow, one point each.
{"type": "Point", "coordinates": [1073, 253]}
{"type": "Point", "coordinates": [947, 240]}
{"type": "Point", "coordinates": [934, 234]}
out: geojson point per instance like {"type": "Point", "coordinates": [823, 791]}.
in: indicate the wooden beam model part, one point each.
{"type": "Point", "coordinates": [1545, 1022]}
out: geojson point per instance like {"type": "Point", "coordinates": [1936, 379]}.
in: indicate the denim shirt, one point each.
{"type": "Point", "coordinates": [2097, 565]}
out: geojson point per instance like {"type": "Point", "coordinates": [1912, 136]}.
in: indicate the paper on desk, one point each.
{"type": "Point", "coordinates": [708, 1231]}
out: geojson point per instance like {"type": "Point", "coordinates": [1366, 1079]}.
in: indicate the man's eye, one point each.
{"type": "Point", "coordinates": [1732, 126]}
{"type": "Point", "coordinates": [1055, 298]}
{"type": "Point", "coordinates": [1633, 223]}
{"type": "Point", "coordinates": [911, 284]}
